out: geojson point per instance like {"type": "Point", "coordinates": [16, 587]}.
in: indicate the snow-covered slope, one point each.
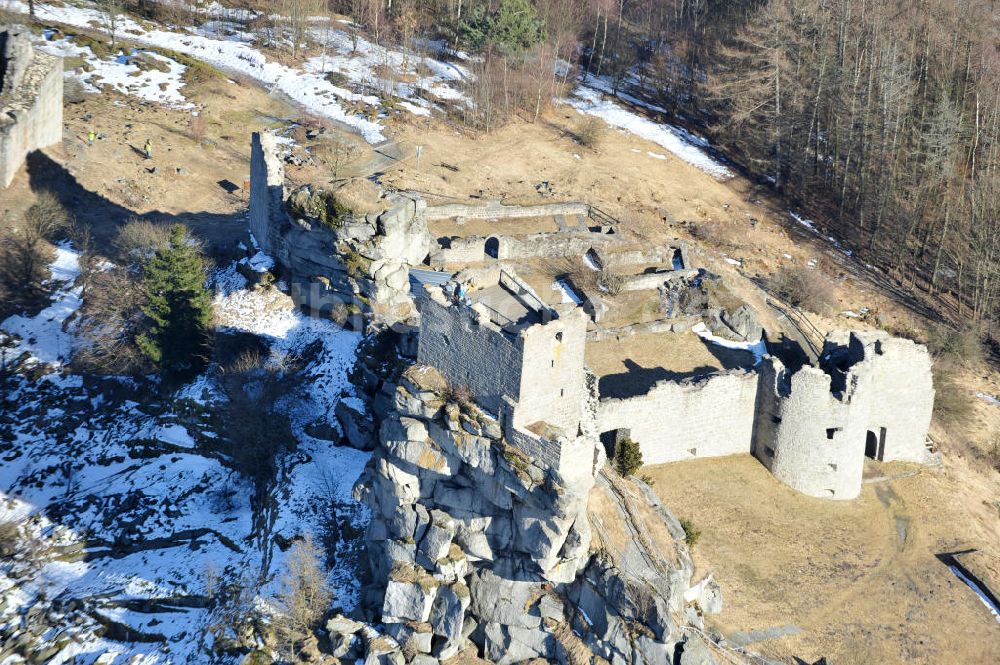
{"type": "Point", "coordinates": [127, 516]}
{"type": "Point", "coordinates": [681, 143]}
{"type": "Point", "coordinates": [308, 86]}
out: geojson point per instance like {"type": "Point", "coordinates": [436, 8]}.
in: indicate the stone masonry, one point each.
{"type": "Point", "coordinates": [872, 396]}
{"type": "Point", "coordinates": [31, 101]}
{"type": "Point", "coordinates": [530, 377]}
{"type": "Point", "coordinates": [361, 264]}
{"type": "Point", "coordinates": [687, 422]}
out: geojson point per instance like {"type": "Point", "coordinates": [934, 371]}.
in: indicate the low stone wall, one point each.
{"type": "Point", "coordinates": [546, 245]}
{"type": "Point", "coordinates": [651, 281]}
{"type": "Point", "coordinates": [664, 256]}
{"type": "Point", "coordinates": [679, 325]}
{"type": "Point", "coordinates": [682, 420]}
{"type": "Point", "coordinates": [497, 210]}
{"type": "Point", "coordinates": [31, 102]}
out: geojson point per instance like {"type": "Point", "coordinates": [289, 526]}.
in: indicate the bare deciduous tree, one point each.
{"type": "Point", "coordinates": [305, 596]}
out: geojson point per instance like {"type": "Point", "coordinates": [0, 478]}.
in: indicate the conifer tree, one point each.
{"type": "Point", "coordinates": [628, 456]}
{"type": "Point", "coordinates": [514, 27]}
{"type": "Point", "coordinates": [179, 307]}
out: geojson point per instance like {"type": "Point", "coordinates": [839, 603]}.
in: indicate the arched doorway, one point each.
{"type": "Point", "coordinates": [492, 248]}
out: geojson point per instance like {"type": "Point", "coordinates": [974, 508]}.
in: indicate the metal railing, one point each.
{"type": "Point", "coordinates": [810, 334]}
{"type": "Point", "coordinates": [602, 217]}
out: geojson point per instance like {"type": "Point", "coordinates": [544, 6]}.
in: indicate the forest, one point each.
{"type": "Point", "coordinates": [879, 117]}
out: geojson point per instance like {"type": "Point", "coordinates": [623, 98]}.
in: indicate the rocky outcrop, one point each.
{"type": "Point", "coordinates": [700, 294]}
{"type": "Point", "coordinates": [344, 254]}
{"type": "Point", "coordinates": [475, 545]}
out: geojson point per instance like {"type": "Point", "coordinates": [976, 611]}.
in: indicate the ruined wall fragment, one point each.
{"type": "Point", "coordinates": [31, 101]}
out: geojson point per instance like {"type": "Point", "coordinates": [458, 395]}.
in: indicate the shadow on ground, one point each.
{"type": "Point", "coordinates": [103, 218]}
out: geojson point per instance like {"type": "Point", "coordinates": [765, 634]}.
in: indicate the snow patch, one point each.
{"type": "Point", "coordinates": [43, 336]}
{"type": "Point", "coordinates": [677, 141]}
{"type": "Point", "coordinates": [758, 348]}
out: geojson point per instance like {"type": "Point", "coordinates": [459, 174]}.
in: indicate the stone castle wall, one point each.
{"type": "Point", "coordinates": [532, 381]}
{"type": "Point", "coordinates": [903, 370]}
{"type": "Point", "coordinates": [810, 438]}
{"type": "Point", "coordinates": [470, 354]}
{"type": "Point", "coordinates": [31, 101]}
{"type": "Point", "coordinates": [462, 251]}
{"type": "Point", "coordinates": [552, 382]}
{"type": "Point", "coordinates": [813, 426]}
{"type": "Point", "coordinates": [496, 210]}
{"type": "Point", "coordinates": [675, 421]}
{"type": "Point", "coordinates": [268, 218]}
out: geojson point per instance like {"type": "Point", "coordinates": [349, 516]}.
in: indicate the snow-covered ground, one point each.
{"type": "Point", "coordinates": [811, 226]}
{"type": "Point", "coordinates": [129, 510]}
{"type": "Point", "coordinates": [566, 292]}
{"type": "Point", "coordinates": [42, 336]}
{"type": "Point", "coordinates": [122, 74]}
{"type": "Point", "coordinates": [675, 140]}
{"type": "Point", "coordinates": [308, 86]}
{"type": "Point", "coordinates": [758, 348]}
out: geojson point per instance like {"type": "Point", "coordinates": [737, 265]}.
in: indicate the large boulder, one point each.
{"type": "Point", "coordinates": [448, 613]}
{"type": "Point", "coordinates": [743, 323]}
{"type": "Point", "coordinates": [505, 601]}
{"type": "Point", "coordinates": [436, 542]}
{"type": "Point", "coordinates": [409, 595]}
{"type": "Point", "coordinates": [357, 426]}
{"type": "Point", "coordinates": [696, 652]}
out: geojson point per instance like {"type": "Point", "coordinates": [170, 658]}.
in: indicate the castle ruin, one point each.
{"type": "Point", "coordinates": [872, 396]}
{"type": "Point", "coordinates": [523, 358]}
{"type": "Point", "coordinates": [31, 101]}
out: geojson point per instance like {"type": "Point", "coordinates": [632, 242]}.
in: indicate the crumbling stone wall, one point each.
{"type": "Point", "coordinates": [539, 369]}
{"type": "Point", "coordinates": [680, 420]}
{"type": "Point", "coordinates": [902, 400]}
{"type": "Point", "coordinates": [31, 101]}
{"type": "Point", "coordinates": [810, 438]}
{"type": "Point", "coordinates": [362, 263]}
{"type": "Point", "coordinates": [676, 257]}
{"type": "Point", "coordinates": [813, 426]}
{"type": "Point", "coordinates": [461, 251]}
{"type": "Point", "coordinates": [532, 380]}
{"type": "Point", "coordinates": [497, 210]}
{"type": "Point", "coordinates": [470, 353]}
{"type": "Point", "coordinates": [268, 218]}
{"type": "Point", "coordinates": [552, 379]}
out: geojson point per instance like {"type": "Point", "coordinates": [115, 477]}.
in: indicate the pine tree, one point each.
{"type": "Point", "coordinates": [514, 27]}
{"type": "Point", "coordinates": [179, 308]}
{"type": "Point", "coordinates": [628, 456]}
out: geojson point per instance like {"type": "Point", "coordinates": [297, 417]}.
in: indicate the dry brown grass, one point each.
{"type": "Point", "coordinates": [859, 577]}
{"type": "Point", "coordinates": [804, 287]}
{"type": "Point", "coordinates": [360, 195]}
{"type": "Point", "coordinates": [591, 131]}
{"type": "Point", "coordinates": [682, 353]}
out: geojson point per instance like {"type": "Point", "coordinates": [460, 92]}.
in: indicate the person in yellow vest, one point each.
{"type": "Point", "coordinates": [91, 137]}
{"type": "Point", "coordinates": [148, 149]}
